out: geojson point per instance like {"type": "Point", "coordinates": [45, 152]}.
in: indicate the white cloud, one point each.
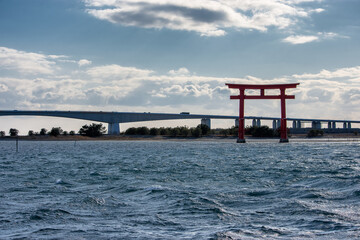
{"type": "Point", "coordinates": [116, 71]}
{"type": "Point", "coordinates": [303, 1]}
{"type": "Point", "coordinates": [57, 56]}
{"type": "Point", "coordinates": [179, 72]}
{"type": "Point", "coordinates": [34, 63]}
{"type": "Point", "coordinates": [352, 72]}
{"type": "Point", "coordinates": [300, 39]}
{"type": "Point", "coordinates": [206, 17]}
{"type": "Point", "coordinates": [187, 90]}
{"type": "Point", "coordinates": [330, 35]}
{"type": "Point", "coordinates": [318, 10]}
{"type": "Point", "coordinates": [84, 62]}
{"type": "Point", "coordinates": [3, 88]}
{"type": "Point", "coordinates": [26, 62]}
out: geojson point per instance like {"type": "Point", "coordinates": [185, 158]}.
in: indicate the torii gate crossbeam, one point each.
{"type": "Point", "coordinates": [242, 96]}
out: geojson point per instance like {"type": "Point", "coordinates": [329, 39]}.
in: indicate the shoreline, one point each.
{"type": "Point", "coordinates": [293, 138]}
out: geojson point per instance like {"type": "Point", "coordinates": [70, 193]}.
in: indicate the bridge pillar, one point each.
{"type": "Point", "coordinates": [333, 125]}
{"type": "Point", "coordinates": [254, 122]}
{"type": "Point", "coordinates": [206, 121]}
{"type": "Point", "coordinates": [258, 123]}
{"type": "Point", "coordinates": [329, 125]}
{"type": "Point", "coordinates": [299, 124]}
{"type": "Point", "coordinates": [237, 122]}
{"type": "Point", "coordinates": [113, 128]}
{"type": "Point", "coordinates": [347, 125]}
{"type": "Point", "coordinates": [316, 124]}
{"type": "Point", "coordinates": [274, 125]}
{"type": "Point", "coordinates": [294, 124]}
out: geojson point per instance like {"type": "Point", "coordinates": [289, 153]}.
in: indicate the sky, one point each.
{"type": "Point", "coordinates": [176, 56]}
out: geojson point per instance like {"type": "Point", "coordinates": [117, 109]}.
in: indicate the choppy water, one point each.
{"type": "Point", "coordinates": [179, 190]}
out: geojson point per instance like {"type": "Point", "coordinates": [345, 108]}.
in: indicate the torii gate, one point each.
{"type": "Point", "coordinates": [282, 97]}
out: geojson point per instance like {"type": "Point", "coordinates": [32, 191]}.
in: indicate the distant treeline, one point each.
{"type": "Point", "coordinates": [201, 130]}
{"type": "Point", "coordinates": [95, 130]}
{"type": "Point", "coordinates": [92, 130]}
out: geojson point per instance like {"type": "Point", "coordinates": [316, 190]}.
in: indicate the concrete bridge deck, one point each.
{"type": "Point", "coordinates": [115, 118]}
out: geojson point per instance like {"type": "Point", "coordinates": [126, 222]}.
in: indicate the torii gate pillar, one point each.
{"type": "Point", "coordinates": [282, 97]}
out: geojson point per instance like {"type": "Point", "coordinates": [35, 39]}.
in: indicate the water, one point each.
{"type": "Point", "coordinates": [179, 190]}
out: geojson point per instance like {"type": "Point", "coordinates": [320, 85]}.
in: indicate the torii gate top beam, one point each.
{"type": "Point", "coordinates": [281, 87]}
{"type": "Point", "coordinates": [267, 86]}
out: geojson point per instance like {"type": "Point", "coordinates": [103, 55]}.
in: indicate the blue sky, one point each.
{"type": "Point", "coordinates": [173, 56]}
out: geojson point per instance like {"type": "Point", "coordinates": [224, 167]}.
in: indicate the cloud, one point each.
{"type": "Point", "coordinates": [330, 35]}
{"type": "Point", "coordinates": [119, 72]}
{"type": "Point", "coordinates": [31, 63]}
{"type": "Point", "coordinates": [84, 62]}
{"type": "Point", "coordinates": [26, 62]}
{"type": "Point", "coordinates": [57, 56]}
{"type": "Point", "coordinates": [187, 90]}
{"type": "Point", "coordinates": [179, 72]}
{"type": "Point", "coordinates": [318, 10]}
{"type": "Point", "coordinates": [303, 1]}
{"type": "Point", "coordinates": [352, 95]}
{"type": "Point", "coordinates": [349, 73]}
{"type": "Point", "coordinates": [319, 95]}
{"type": "Point", "coordinates": [3, 88]}
{"type": "Point", "coordinates": [300, 39]}
{"type": "Point", "coordinates": [206, 17]}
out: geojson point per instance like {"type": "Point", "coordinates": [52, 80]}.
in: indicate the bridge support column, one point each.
{"type": "Point", "coordinates": [347, 125]}
{"type": "Point", "coordinates": [258, 123]}
{"type": "Point", "coordinates": [236, 122]}
{"type": "Point", "coordinates": [206, 121]}
{"type": "Point", "coordinates": [274, 124]}
{"type": "Point", "coordinates": [294, 124]}
{"type": "Point", "coordinates": [333, 125]}
{"type": "Point", "coordinates": [316, 125]}
{"type": "Point", "coordinates": [329, 125]}
{"type": "Point", "coordinates": [113, 128]}
{"type": "Point", "coordinates": [299, 124]}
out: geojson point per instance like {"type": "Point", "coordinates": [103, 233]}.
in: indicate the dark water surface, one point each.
{"type": "Point", "coordinates": [179, 190]}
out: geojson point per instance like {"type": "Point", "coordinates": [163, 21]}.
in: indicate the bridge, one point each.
{"type": "Point", "coordinates": [113, 119]}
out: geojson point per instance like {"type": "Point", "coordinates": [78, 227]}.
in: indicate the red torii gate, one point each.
{"type": "Point", "coordinates": [282, 97]}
